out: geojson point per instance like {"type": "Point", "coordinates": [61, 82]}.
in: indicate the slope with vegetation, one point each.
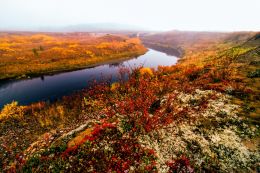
{"type": "Point", "coordinates": [201, 115]}
{"type": "Point", "coordinates": [180, 43]}
{"type": "Point", "coordinates": [30, 54]}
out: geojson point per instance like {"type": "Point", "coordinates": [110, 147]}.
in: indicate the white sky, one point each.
{"type": "Point", "coordinates": [212, 15]}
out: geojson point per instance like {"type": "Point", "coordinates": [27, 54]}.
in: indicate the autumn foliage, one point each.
{"type": "Point", "coordinates": [30, 54]}
{"type": "Point", "coordinates": [130, 125]}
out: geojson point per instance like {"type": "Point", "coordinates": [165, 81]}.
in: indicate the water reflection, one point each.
{"type": "Point", "coordinates": [118, 64]}
{"type": "Point", "coordinates": [42, 78]}
{"type": "Point", "coordinates": [52, 87]}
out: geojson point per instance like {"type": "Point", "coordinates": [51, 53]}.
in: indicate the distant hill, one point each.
{"type": "Point", "coordinates": [177, 38]}
{"type": "Point", "coordinates": [176, 41]}
{"type": "Point", "coordinates": [254, 41]}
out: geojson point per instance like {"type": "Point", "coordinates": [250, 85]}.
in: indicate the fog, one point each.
{"type": "Point", "coordinates": [206, 15]}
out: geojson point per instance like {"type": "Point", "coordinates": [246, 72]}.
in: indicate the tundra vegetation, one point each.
{"type": "Point", "coordinates": [201, 115]}
{"type": "Point", "coordinates": [30, 54]}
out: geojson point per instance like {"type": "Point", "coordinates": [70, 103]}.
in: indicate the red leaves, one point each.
{"type": "Point", "coordinates": [180, 165]}
{"type": "Point", "coordinates": [123, 153]}
{"type": "Point", "coordinates": [132, 102]}
{"type": "Point", "coordinates": [94, 135]}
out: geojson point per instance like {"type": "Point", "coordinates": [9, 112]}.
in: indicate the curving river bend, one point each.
{"type": "Point", "coordinates": [52, 87]}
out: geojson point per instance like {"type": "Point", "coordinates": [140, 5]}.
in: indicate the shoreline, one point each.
{"type": "Point", "coordinates": [82, 69]}
{"type": "Point", "coordinates": [59, 71]}
{"type": "Point", "coordinates": [178, 52]}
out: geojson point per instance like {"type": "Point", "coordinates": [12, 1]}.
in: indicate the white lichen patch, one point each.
{"type": "Point", "coordinates": [227, 141]}
{"type": "Point", "coordinates": [209, 140]}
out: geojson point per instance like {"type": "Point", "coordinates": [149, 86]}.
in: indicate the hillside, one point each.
{"type": "Point", "coordinates": [201, 115]}
{"type": "Point", "coordinates": [178, 42]}
{"type": "Point", "coordinates": [32, 54]}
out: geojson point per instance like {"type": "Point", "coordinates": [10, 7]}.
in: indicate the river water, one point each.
{"type": "Point", "coordinates": [52, 87]}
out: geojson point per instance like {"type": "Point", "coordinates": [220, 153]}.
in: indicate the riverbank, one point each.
{"type": "Point", "coordinates": [201, 115]}
{"type": "Point", "coordinates": [170, 50]}
{"type": "Point", "coordinates": [116, 59]}
{"type": "Point", "coordinates": [53, 87]}
{"type": "Point", "coordinates": [29, 55]}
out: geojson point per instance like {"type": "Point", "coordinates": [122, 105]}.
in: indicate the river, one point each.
{"type": "Point", "coordinates": [52, 87]}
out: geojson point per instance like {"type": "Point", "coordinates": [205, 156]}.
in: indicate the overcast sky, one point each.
{"type": "Point", "coordinates": [211, 15]}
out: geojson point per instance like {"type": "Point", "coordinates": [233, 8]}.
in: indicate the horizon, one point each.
{"type": "Point", "coordinates": [73, 28]}
{"type": "Point", "coordinates": [166, 15]}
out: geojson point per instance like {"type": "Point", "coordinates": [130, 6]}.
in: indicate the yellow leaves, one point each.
{"type": "Point", "coordinates": [68, 52]}
{"type": "Point", "coordinates": [41, 37]}
{"type": "Point", "coordinates": [146, 70]}
{"type": "Point", "coordinates": [12, 110]}
{"type": "Point", "coordinates": [90, 53]}
{"type": "Point", "coordinates": [60, 111]}
{"type": "Point", "coordinates": [43, 119]}
{"type": "Point", "coordinates": [134, 40]}
{"type": "Point", "coordinates": [57, 49]}
{"type": "Point", "coordinates": [77, 140]}
{"type": "Point", "coordinates": [51, 52]}
{"type": "Point", "coordinates": [115, 86]}
{"type": "Point", "coordinates": [103, 45]}
{"type": "Point", "coordinates": [50, 115]}
{"type": "Point", "coordinates": [91, 105]}
{"type": "Point", "coordinates": [6, 47]}
{"type": "Point", "coordinates": [73, 45]}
